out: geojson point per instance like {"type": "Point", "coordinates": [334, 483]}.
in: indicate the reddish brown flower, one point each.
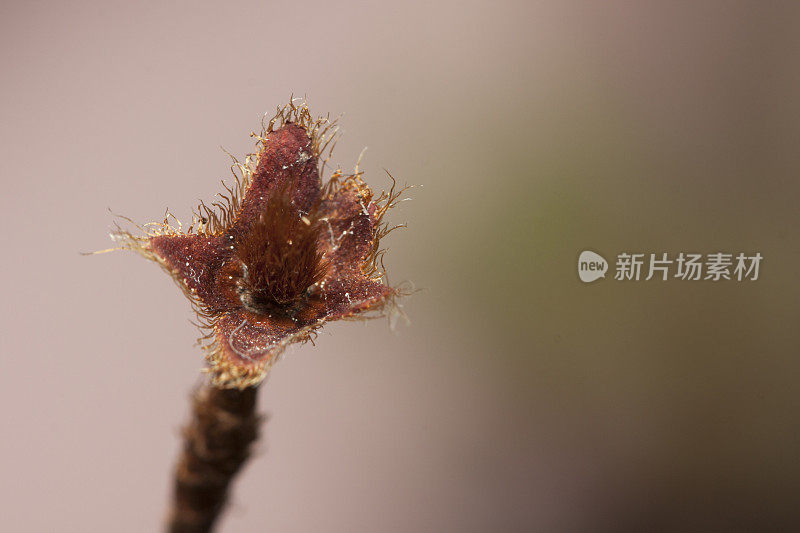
{"type": "Point", "coordinates": [280, 254]}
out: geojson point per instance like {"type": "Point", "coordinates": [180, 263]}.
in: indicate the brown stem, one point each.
{"type": "Point", "coordinates": [217, 443]}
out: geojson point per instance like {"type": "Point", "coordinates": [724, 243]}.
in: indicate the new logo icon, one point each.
{"type": "Point", "coordinates": [591, 266]}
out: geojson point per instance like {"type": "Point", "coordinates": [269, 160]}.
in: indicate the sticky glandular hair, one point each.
{"type": "Point", "coordinates": [280, 258]}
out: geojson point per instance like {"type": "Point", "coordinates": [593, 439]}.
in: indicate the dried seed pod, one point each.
{"type": "Point", "coordinates": [280, 254]}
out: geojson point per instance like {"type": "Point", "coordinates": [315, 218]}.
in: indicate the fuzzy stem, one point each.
{"type": "Point", "coordinates": [217, 443]}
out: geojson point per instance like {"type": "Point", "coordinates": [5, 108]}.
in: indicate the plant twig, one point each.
{"type": "Point", "coordinates": [217, 443]}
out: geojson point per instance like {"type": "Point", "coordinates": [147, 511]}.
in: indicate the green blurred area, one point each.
{"type": "Point", "coordinates": [686, 389]}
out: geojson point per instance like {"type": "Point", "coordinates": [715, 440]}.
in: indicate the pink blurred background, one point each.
{"type": "Point", "coordinates": [519, 399]}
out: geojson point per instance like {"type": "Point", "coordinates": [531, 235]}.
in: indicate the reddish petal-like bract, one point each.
{"type": "Point", "coordinates": [244, 335]}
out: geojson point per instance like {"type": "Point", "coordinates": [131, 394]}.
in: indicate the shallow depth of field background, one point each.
{"type": "Point", "coordinates": [519, 399]}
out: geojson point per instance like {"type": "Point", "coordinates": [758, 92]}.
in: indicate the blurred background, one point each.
{"type": "Point", "coordinates": [519, 399]}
